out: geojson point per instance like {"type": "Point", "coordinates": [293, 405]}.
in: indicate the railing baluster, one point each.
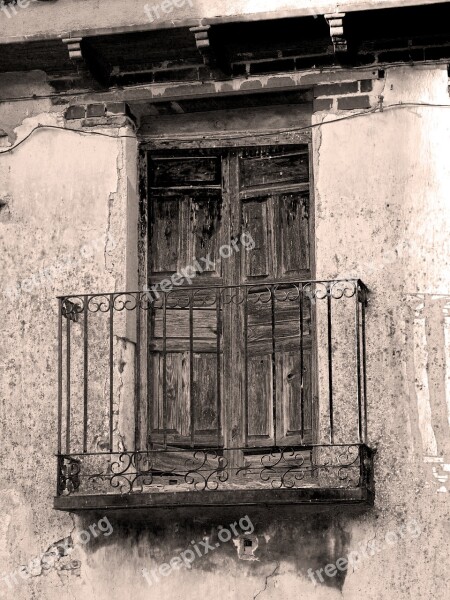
{"type": "Point", "coordinates": [330, 365]}
{"type": "Point", "coordinates": [149, 357]}
{"type": "Point", "coordinates": [358, 360]}
{"type": "Point", "coordinates": [111, 372]}
{"type": "Point", "coordinates": [274, 366]}
{"type": "Point", "coordinates": [60, 375]}
{"type": "Point", "coordinates": [68, 375]}
{"type": "Point", "coordinates": [86, 375]}
{"type": "Point", "coordinates": [191, 366]}
{"type": "Point", "coordinates": [246, 366]}
{"type": "Point", "coordinates": [165, 368]}
{"type": "Point", "coordinates": [302, 397]}
{"type": "Point", "coordinates": [219, 365]}
{"type": "Point", "coordinates": [363, 335]}
{"type": "Point", "coordinates": [137, 416]}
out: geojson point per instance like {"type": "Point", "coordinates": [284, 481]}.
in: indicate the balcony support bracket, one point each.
{"type": "Point", "coordinates": [336, 24]}
{"type": "Point", "coordinates": [89, 69]}
{"type": "Point", "coordinates": [203, 42]}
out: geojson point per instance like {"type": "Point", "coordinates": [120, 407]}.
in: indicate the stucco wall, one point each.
{"type": "Point", "coordinates": [381, 206]}
{"type": "Point", "coordinates": [64, 226]}
{"type": "Point", "coordinates": [381, 214]}
{"type": "Point", "coordinates": [38, 19]}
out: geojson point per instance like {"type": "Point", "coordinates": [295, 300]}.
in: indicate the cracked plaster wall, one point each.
{"type": "Point", "coordinates": [63, 229]}
{"type": "Point", "coordinates": [381, 201]}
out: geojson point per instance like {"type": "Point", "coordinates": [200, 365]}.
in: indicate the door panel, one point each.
{"type": "Point", "coordinates": [166, 250]}
{"type": "Point", "coordinates": [256, 217]}
{"type": "Point", "coordinates": [274, 205]}
{"type": "Point", "coordinates": [186, 395]}
{"type": "Point", "coordinates": [274, 332]}
{"type": "Point", "coordinates": [274, 165]}
{"type": "Point", "coordinates": [204, 392]}
{"type": "Point", "coordinates": [294, 399]}
{"type": "Point", "coordinates": [293, 240]}
{"type": "Point", "coordinates": [173, 414]}
{"type": "Point", "coordinates": [205, 233]}
{"type": "Point", "coordinates": [186, 204]}
{"type": "Point", "coordinates": [185, 227]}
{"type": "Point", "coordinates": [260, 390]}
{"type": "Point", "coordinates": [279, 226]}
{"type": "Point", "coordinates": [170, 171]}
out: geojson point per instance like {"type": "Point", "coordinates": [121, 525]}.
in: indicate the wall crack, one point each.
{"type": "Point", "coordinates": [267, 581]}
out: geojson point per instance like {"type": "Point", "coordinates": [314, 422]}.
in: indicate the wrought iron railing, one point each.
{"type": "Point", "coordinates": [207, 388]}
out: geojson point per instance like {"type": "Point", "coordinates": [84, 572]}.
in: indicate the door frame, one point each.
{"type": "Point", "coordinates": [175, 142]}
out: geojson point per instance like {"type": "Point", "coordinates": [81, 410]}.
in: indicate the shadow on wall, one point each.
{"type": "Point", "coordinates": [301, 537]}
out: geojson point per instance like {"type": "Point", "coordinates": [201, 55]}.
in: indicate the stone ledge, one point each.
{"type": "Point", "coordinates": [306, 496]}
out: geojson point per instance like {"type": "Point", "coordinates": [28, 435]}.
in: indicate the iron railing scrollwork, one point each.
{"type": "Point", "coordinates": [209, 469]}
{"type": "Point", "coordinates": [107, 438]}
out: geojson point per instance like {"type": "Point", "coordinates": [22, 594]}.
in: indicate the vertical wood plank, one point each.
{"type": "Point", "coordinates": [293, 233]}
{"type": "Point", "coordinates": [256, 222]}
{"type": "Point", "coordinates": [260, 420]}
{"type": "Point", "coordinates": [234, 378]}
{"type": "Point", "coordinates": [204, 394]}
{"type": "Point", "coordinates": [166, 230]}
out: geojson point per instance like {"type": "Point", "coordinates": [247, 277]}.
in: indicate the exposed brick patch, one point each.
{"type": "Point", "coordinates": [95, 110]}
{"type": "Point", "coordinates": [366, 85]}
{"type": "Point", "coordinates": [322, 104]}
{"type": "Point", "coordinates": [251, 85]}
{"type": "Point", "coordinates": [277, 81]}
{"type": "Point", "coordinates": [58, 101]}
{"type": "Point", "coordinates": [272, 66]}
{"type": "Point", "coordinates": [75, 112]}
{"type": "Point", "coordinates": [117, 108]}
{"type": "Point", "coordinates": [207, 88]}
{"type": "Point", "coordinates": [336, 89]}
{"type": "Point", "coordinates": [191, 74]}
{"type": "Point", "coordinates": [95, 122]}
{"type": "Point", "coordinates": [350, 102]}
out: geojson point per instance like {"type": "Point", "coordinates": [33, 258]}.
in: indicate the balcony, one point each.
{"type": "Point", "coordinates": [214, 395]}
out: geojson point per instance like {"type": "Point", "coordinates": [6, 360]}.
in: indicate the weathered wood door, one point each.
{"type": "Point", "coordinates": [231, 362]}
{"type": "Point", "coordinates": [274, 206]}
{"type": "Point", "coordinates": [187, 229]}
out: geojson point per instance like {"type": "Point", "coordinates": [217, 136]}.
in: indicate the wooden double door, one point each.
{"type": "Point", "coordinates": [230, 340]}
